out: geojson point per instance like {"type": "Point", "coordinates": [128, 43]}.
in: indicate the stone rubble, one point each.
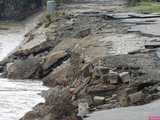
{"type": "Point", "coordinates": [125, 77]}
{"type": "Point", "coordinates": [63, 59]}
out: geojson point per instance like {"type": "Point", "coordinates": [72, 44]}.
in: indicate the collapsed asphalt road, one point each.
{"type": "Point", "coordinates": [89, 58]}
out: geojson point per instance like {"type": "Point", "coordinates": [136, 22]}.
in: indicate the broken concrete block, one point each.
{"type": "Point", "coordinates": [83, 109]}
{"type": "Point", "coordinates": [125, 77]}
{"type": "Point", "coordinates": [113, 77]}
{"type": "Point", "coordinates": [136, 97]}
{"type": "Point", "coordinates": [98, 100]}
{"type": "Point", "coordinates": [123, 100]}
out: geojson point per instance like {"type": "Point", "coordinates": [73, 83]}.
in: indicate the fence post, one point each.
{"type": "Point", "coordinates": [51, 5]}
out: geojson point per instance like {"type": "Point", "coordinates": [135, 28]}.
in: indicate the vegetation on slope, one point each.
{"type": "Point", "coordinates": [145, 6]}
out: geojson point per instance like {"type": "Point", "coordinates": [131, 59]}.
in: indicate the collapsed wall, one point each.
{"type": "Point", "coordinates": [18, 9]}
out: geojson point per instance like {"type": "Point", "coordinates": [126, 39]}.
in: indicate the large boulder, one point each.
{"type": "Point", "coordinates": [56, 77]}
{"type": "Point", "coordinates": [37, 44]}
{"type": "Point", "coordinates": [24, 69]}
{"type": "Point", "coordinates": [136, 97]}
{"type": "Point", "coordinates": [54, 58]}
{"type": "Point", "coordinates": [57, 106]}
{"type": "Point", "coordinates": [60, 99]}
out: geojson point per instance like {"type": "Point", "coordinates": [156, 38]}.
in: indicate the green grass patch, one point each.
{"type": "Point", "coordinates": [147, 7]}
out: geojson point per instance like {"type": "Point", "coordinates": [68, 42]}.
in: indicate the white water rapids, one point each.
{"type": "Point", "coordinates": [16, 96]}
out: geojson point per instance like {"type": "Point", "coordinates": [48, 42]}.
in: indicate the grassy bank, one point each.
{"type": "Point", "coordinates": [147, 7]}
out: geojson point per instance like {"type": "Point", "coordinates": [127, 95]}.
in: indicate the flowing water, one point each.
{"type": "Point", "coordinates": [16, 96]}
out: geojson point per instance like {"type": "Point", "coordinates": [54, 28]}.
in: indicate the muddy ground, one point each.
{"type": "Point", "coordinates": [93, 56]}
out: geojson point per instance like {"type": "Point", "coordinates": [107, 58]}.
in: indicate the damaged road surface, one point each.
{"type": "Point", "coordinates": [93, 56]}
{"type": "Point", "coordinates": [132, 113]}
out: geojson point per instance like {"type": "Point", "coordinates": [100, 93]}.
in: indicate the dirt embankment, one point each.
{"type": "Point", "coordinates": [75, 53]}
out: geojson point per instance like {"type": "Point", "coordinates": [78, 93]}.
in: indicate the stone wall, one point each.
{"type": "Point", "coordinates": [18, 9]}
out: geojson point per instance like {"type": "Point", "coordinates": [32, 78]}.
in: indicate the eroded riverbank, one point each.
{"type": "Point", "coordinates": [90, 59]}
{"type": "Point", "coordinates": [16, 96]}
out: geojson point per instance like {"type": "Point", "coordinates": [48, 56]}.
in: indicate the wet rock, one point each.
{"type": "Point", "coordinates": [54, 58]}
{"type": "Point", "coordinates": [24, 69]}
{"type": "Point", "coordinates": [83, 33]}
{"type": "Point", "coordinates": [136, 97]}
{"type": "Point", "coordinates": [125, 77]}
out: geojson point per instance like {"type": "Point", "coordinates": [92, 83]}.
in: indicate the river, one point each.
{"type": "Point", "coordinates": [16, 96]}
